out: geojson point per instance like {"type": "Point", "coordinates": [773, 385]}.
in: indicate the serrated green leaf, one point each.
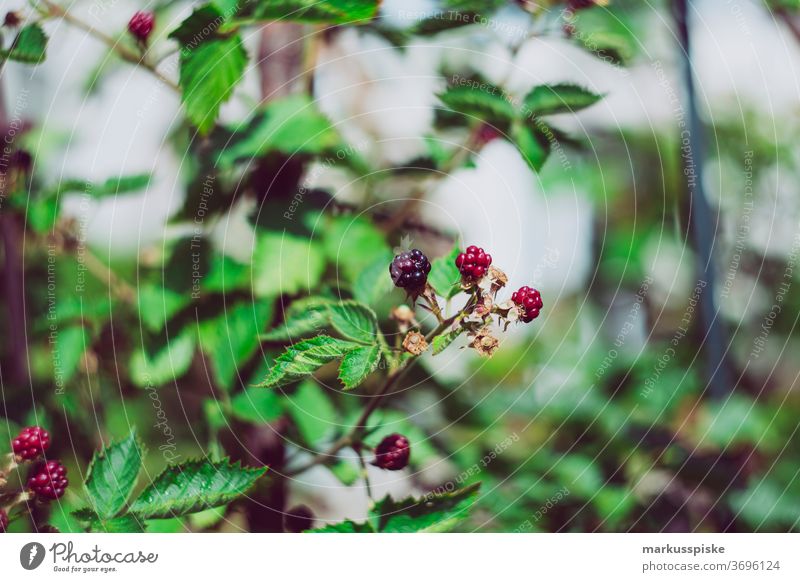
{"type": "Point", "coordinates": [257, 406]}
{"type": "Point", "coordinates": [445, 277]}
{"type": "Point", "coordinates": [112, 476]}
{"type": "Point", "coordinates": [208, 75]}
{"type": "Point", "coordinates": [441, 341]}
{"type": "Point", "coordinates": [194, 486]}
{"type": "Point", "coordinates": [300, 322]}
{"type": "Point", "coordinates": [284, 265]}
{"type": "Point", "coordinates": [29, 46]}
{"type": "Point", "coordinates": [95, 524]}
{"type": "Point", "coordinates": [485, 102]}
{"type": "Point", "coordinates": [533, 144]}
{"type": "Point", "coordinates": [304, 358]}
{"type": "Point", "coordinates": [358, 364]}
{"type": "Point", "coordinates": [354, 320]}
{"type": "Point", "coordinates": [560, 98]}
{"type": "Point", "coordinates": [437, 512]}
{"type": "Point", "coordinates": [330, 11]}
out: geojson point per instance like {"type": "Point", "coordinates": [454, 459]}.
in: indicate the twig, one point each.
{"type": "Point", "coordinates": [121, 50]}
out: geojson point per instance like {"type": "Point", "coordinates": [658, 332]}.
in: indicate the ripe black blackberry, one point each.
{"type": "Point", "coordinates": [529, 302]}
{"type": "Point", "coordinates": [31, 442]}
{"type": "Point", "coordinates": [298, 519]}
{"type": "Point", "coordinates": [141, 25]}
{"type": "Point", "coordinates": [474, 262]}
{"type": "Point", "coordinates": [392, 453]}
{"type": "Point", "coordinates": [410, 270]}
{"type": "Point", "coordinates": [49, 480]}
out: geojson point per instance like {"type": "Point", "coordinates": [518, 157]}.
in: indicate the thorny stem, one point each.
{"type": "Point", "coordinates": [121, 50]}
{"type": "Point", "coordinates": [355, 436]}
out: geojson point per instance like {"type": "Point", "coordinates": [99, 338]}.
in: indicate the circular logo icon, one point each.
{"type": "Point", "coordinates": [31, 555]}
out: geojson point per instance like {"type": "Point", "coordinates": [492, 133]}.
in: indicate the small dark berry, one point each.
{"type": "Point", "coordinates": [392, 453]}
{"type": "Point", "coordinates": [141, 25]}
{"type": "Point", "coordinates": [3, 521]}
{"type": "Point", "coordinates": [410, 270]}
{"type": "Point", "coordinates": [474, 262]}
{"type": "Point", "coordinates": [31, 442]}
{"type": "Point", "coordinates": [298, 519]}
{"type": "Point", "coordinates": [529, 302]}
{"type": "Point", "coordinates": [49, 480]}
{"type": "Point", "coordinates": [12, 20]}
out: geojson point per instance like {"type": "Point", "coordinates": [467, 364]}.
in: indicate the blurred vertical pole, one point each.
{"type": "Point", "coordinates": [701, 221]}
{"type": "Point", "coordinates": [12, 273]}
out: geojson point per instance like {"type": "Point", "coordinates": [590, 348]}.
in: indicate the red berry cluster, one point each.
{"type": "Point", "coordinates": [474, 262]}
{"type": "Point", "coordinates": [49, 480]}
{"type": "Point", "coordinates": [31, 442]}
{"type": "Point", "coordinates": [529, 301]}
{"type": "Point", "coordinates": [141, 25]}
{"type": "Point", "coordinates": [392, 453]}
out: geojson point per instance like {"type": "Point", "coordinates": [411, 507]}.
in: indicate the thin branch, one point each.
{"type": "Point", "coordinates": [125, 53]}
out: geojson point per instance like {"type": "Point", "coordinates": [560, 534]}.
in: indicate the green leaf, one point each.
{"type": "Point", "coordinates": [284, 265]}
{"type": "Point", "coordinates": [352, 244]}
{"type": "Point", "coordinates": [171, 362]}
{"type": "Point", "coordinates": [445, 277]}
{"type": "Point", "coordinates": [358, 364]}
{"type": "Point", "coordinates": [208, 75]}
{"type": "Point", "coordinates": [194, 486]}
{"type": "Point", "coordinates": [330, 11]}
{"type": "Point", "coordinates": [29, 46]}
{"type": "Point", "coordinates": [312, 412]}
{"type": "Point", "coordinates": [257, 406]}
{"type": "Point", "coordinates": [291, 125]}
{"type": "Point", "coordinates": [372, 284]}
{"type": "Point", "coordinates": [304, 358]}
{"type": "Point", "coordinates": [68, 348]}
{"type": "Point", "coordinates": [300, 322]}
{"type": "Point", "coordinates": [533, 144]}
{"type": "Point", "coordinates": [231, 339]}
{"type": "Point", "coordinates": [561, 98]}
{"type": "Point", "coordinates": [112, 476]}
{"type": "Point", "coordinates": [200, 25]}
{"type": "Point", "coordinates": [346, 471]}
{"type": "Point", "coordinates": [347, 526]}
{"type": "Point", "coordinates": [354, 320]}
{"type": "Point", "coordinates": [432, 513]}
{"type": "Point", "coordinates": [485, 102]}
{"type": "Point", "coordinates": [157, 304]}
{"type": "Point", "coordinates": [441, 341]}
{"type": "Point", "coordinates": [94, 523]}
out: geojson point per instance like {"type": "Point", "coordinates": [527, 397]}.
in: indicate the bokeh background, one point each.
{"type": "Point", "coordinates": [622, 408]}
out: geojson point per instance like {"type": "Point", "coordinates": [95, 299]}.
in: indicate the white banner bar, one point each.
{"type": "Point", "coordinates": [403, 558]}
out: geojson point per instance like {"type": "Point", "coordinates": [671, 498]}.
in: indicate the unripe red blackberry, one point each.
{"type": "Point", "coordinates": [49, 480]}
{"type": "Point", "coordinates": [3, 520]}
{"type": "Point", "coordinates": [141, 25]}
{"type": "Point", "coordinates": [410, 270]}
{"type": "Point", "coordinates": [529, 302]}
{"type": "Point", "coordinates": [31, 442]}
{"type": "Point", "coordinates": [474, 262]}
{"type": "Point", "coordinates": [392, 453]}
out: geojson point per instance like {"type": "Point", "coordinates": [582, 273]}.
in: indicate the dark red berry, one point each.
{"type": "Point", "coordinates": [3, 520]}
{"type": "Point", "coordinates": [141, 25]}
{"type": "Point", "coordinates": [392, 453]}
{"type": "Point", "coordinates": [410, 270]}
{"type": "Point", "coordinates": [529, 302]}
{"type": "Point", "coordinates": [31, 442]}
{"type": "Point", "coordinates": [49, 480]}
{"type": "Point", "coordinates": [473, 262]}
